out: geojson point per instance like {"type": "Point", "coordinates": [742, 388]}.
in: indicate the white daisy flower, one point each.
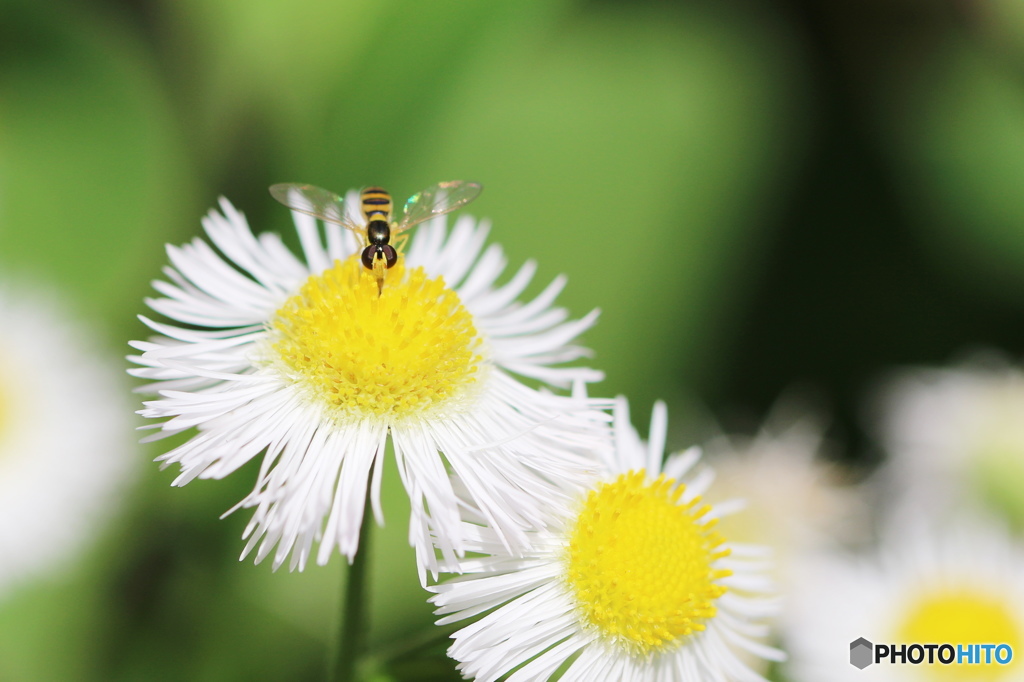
{"type": "Point", "coordinates": [959, 583]}
{"type": "Point", "coordinates": [631, 582]}
{"type": "Point", "coordinates": [309, 364]}
{"type": "Point", "coordinates": [66, 451]}
{"type": "Point", "coordinates": [956, 437]}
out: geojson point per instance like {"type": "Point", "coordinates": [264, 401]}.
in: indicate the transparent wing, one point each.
{"type": "Point", "coordinates": [315, 201]}
{"type": "Point", "coordinates": [444, 197]}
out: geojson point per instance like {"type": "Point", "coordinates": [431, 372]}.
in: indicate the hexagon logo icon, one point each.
{"type": "Point", "coordinates": [861, 651]}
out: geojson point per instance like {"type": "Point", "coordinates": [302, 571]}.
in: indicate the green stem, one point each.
{"type": "Point", "coordinates": [351, 644]}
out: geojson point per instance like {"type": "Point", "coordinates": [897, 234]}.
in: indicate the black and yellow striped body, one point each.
{"type": "Point", "coordinates": [379, 254]}
{"type": "Point", "coordinates": [376, 204]}
{"type": "Point", "coordinates": [377, 228]}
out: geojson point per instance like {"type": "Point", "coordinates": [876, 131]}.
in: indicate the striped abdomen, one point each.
{"type": "Point", "coordinates": [376, 204]}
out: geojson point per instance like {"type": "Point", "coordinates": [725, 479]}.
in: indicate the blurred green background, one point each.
{"type": "Point", "coordinates": [757, 194]}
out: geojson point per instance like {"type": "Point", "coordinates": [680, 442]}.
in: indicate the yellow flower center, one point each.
{"type": "Point", "coordinates": [998, 473]}
{"type": "Point", "coordinates": [996, 465]}
{"type": "Point", "coordinates": [401, 352]}
{"type": "Point", "coordinates": [964, 617]}
{"type": "Point", "coordinates": [5, 403]}
{"type": "Point", "coordinates": [639, 563]}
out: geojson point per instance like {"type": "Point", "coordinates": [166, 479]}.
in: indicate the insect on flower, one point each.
{"type": "Point", "coordinates": [291, 359]}
{"type": "Point", "coordinates": [376, 207]}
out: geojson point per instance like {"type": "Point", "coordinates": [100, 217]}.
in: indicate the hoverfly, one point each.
{"type": "Point", "coordinates": [375, 204]}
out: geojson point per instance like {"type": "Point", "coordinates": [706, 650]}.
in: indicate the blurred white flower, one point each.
{"type": "Point", "coordinates": [631, 582]}
{"type": "Point", "coordinates": [956, 583]}
{"type": "Point", "coordinates": [311, 365]}
{"type": "Point", "coordinates": [795, 500]}
{"type": "Point", "coordinates": [955, 437]}
{"type": "Point", "coordinates": [66, 445]}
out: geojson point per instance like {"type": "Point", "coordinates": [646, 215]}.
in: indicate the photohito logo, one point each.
{"type": "Point", "coordinates": [863, 653]}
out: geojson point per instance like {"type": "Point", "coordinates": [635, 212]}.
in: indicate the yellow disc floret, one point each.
{"type": "Point", "coordinates": [5, 404]}
{"type": "Point", "coordinates": [394, 353]}
{"type": "Point", "coordinates": [963, 616]}
{"type": "Point", "coordinates": [639, 563]}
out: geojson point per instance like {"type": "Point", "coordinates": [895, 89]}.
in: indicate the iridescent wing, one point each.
{"type": "Point", "coordinates": [317, 202]}
{"type": "Point", "coordinates": [444, 197]}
